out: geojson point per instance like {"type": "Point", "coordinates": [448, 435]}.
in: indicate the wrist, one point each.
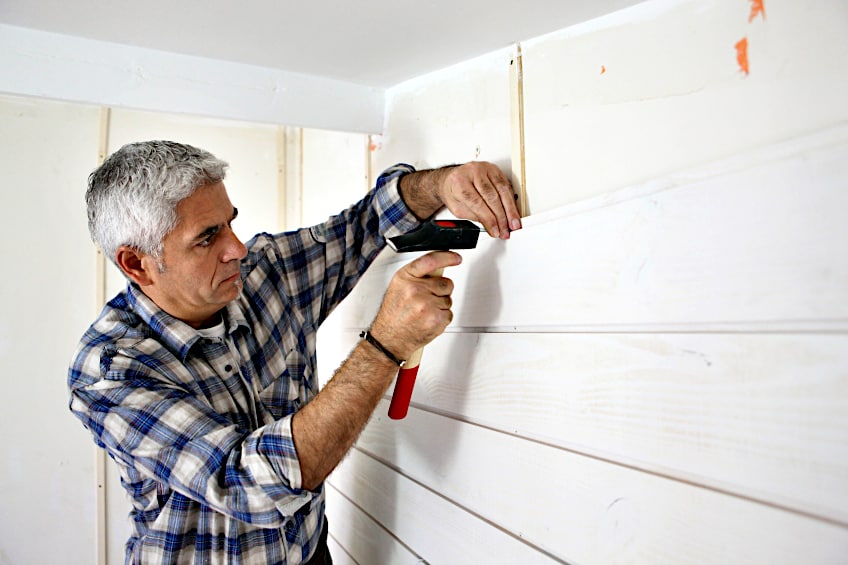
{"type": "Point", "coordinates": [422, 191]}
{"type": "Point", "coordinates": [373, 341]}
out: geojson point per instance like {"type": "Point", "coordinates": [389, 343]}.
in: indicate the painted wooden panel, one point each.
{"type": "Point", "coordinates": [47, 299]}
{"type": "Point", "coordinates": [577, 509]}
{"type": "Point", "coordinates": [463, 114]}
{"type": "Point", "coordinates": [628, 330]}
{"type": "Point", "coordinates": [752, 240]}
{"type": "Point", "coordinates": [761, 416]}
{"type": "Point", "coordinates": [334, 173]}
{"type": "Point", "coordinates": [358, 538]}
{"type": "Point", "coordinates": [429, 524]}
{"type": "Point", "coordinates": [660, 87]}
{"type": "Point", "coordinates": [658, 360]}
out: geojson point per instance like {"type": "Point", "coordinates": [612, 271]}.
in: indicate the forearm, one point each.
{"type": "Point", "coordinates": [420, 191]}
{"type": "Point", "coordinates": [325, 429]}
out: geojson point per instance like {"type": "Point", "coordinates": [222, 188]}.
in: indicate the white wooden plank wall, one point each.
{"type": "Point", "coordinates": [655, 370]}
{"type": "Point", "coordinates": [47, 300]}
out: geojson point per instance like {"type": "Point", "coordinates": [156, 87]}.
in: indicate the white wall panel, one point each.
{"type": "Point", "coordinates": [334, 173]}
{"type": "Point", "coordinates": [455, 115]}
{"type": "Point", "coordinates": [47, 300]}
{"type": "Point", "coordinates": [743, 242]}
{"type": "Point", "coordinates": [657, 88]}
{"type": "Point", "coordinates": [577, 509]}
{"type": "Point", "coordinates": [428, 523]}
{"type": "Point", "coordinates": [660, 352]}
{"type": "Point", "coordinates": [357, 538]}
{"type": "Point", "coordinates": [744, 414]}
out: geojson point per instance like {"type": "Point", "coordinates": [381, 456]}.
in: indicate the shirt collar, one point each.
{"type": "Point", "coordinates": [176, 334]}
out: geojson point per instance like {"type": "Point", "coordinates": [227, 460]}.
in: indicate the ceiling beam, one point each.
{"type": "Point", "coordinates": [63, 67]}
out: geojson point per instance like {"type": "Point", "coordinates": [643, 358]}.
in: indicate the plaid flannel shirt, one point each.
{"type": "Point", "coordinates": [202, 434]}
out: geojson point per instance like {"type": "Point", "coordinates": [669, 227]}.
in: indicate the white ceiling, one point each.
{"type": "Point", "coordinates": [377, 43]}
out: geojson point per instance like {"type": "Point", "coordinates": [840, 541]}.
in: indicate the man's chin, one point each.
{"type": "Point", "coordinates": [230, 290]}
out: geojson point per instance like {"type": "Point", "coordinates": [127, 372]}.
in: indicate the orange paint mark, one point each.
{"type": "Point", "coordinates": [757, 8]}
{"type": "Point", "coordinates": [742, 55]}
{"type": "Point", "coordinates": [603, 69]}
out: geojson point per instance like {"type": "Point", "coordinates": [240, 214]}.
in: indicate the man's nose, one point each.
{"type": "Point", "coordinates": [235, 249]}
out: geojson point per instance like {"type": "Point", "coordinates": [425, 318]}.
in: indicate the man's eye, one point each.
{"type": "Point", "coordinates": [207, 241]}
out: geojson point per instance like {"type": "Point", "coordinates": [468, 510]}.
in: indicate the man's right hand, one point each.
{"type": "Point", "coordinates": [416, 307]}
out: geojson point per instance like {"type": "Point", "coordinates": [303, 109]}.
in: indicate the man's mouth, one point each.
{"type": "Point", "coordinates": [232, 278]}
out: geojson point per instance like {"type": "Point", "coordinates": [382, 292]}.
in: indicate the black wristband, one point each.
{"type": "Point", "coordinates": [366, 335]}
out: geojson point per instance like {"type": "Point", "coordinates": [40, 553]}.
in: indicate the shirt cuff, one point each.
{"type": "Point", "coordinates": [275, 445]}
{"type": "Point", "coordinates": [395, 216]}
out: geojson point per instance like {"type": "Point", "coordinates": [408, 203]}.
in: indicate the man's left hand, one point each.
{"type": "Point", "coordinates": [479, 191]}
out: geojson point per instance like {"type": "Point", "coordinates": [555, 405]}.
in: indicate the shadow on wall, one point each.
{"type": "Point", "coordinates": [481, 285]}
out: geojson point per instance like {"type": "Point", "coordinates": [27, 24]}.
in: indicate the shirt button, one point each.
{"type": "Point", "coordinates": [228, 368]}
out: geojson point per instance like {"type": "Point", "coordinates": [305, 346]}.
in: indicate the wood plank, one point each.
{"type": "Point", "coordinates": [433, 527]}
{"type": "Point", "coordinates": [761, 416]}
{"type": "Point", "coordinates": [359, 539]}
{"type": "Point", "coordinates": [455, 115]}
{"type": "Point", "coordinates": [340, 556]}
{"type": "Point", "coordinates": [759, 238]}
{"type": "Point", "coordinates": [47, 475]}
{"type": "Point", "coordinates": [516, 122]}
{"type": "Point", "coordinates": [331, 184]}
{"type": "Point", "coordinates": [658, 88]}
{"type": "Point", "coordinates": [580, 509]}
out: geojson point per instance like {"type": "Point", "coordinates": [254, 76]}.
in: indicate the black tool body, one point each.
{"type": "Point", "coordinates": [437, 235]}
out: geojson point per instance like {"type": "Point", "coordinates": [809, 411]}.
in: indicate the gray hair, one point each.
{"type": "Point", "coordinates": [133, 196]}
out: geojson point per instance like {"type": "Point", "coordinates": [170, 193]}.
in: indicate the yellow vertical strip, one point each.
{"type": "Point", "coordinates": [101, 514]}
{"type": "Point", "coordinates": [299, 177]}
{"type": "Point", "coordinates": [516, 83]}
{"type": "Point", "coordinates": [369, 174]}
{"type": "Point", "coordinates": [282, 166]}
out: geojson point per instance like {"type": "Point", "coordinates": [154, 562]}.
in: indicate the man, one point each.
{"type": "Point", "coordinates": [199, 379]}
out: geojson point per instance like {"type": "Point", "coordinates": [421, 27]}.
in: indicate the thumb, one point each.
{"type": "Point", "coordinates": [433, 261]}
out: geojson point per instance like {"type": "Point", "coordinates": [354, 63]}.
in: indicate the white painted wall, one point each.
{"type": "Point", "coordinates": [47, 472]}
{"type": "Point", "coordinates": [47, 300]}
{"type": "Point", "coordinates": [655, 370]}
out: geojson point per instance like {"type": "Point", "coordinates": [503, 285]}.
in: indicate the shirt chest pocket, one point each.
{"type": "Point", "coordinates": [286, 379]}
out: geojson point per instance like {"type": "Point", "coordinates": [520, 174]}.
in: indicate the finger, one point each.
{"type": "Point", "coordinates": [491, 196]}
{"type": "Point", "coordinates": [440, 286]}
{"type": "Point", "coordinates": [433, 261]}
{"type": "Point", "coordinates": [508, 198]}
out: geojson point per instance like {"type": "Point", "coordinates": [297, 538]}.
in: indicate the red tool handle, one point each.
{"type": "Point", "coordinates": [403, 387]}
{"type": "Point", "coordinates": [406, 379]}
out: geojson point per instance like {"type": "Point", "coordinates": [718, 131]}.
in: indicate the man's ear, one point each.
{"type": "Point", "coordinates": [131, 262]}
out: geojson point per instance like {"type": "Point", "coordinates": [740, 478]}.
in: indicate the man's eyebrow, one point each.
{"type": "Point", "coordinates": [212, 230]}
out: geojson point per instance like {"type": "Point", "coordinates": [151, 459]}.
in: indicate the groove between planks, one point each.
{"type": "Point", "coordinates": [447, 499]}
{"type": "Point", "coordinates": [597, 456]}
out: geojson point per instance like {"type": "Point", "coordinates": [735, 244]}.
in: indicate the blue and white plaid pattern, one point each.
{"type": "Point", "coordinates": [206, 454]}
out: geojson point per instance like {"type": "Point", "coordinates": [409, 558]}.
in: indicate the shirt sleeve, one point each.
{"type": "Point", "coordinates": [320, 265]}
{"type": "Point", "coordinates": [166, 433]}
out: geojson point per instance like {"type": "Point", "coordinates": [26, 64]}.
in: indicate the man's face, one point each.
{"type": "Point", "coordinates": [201, 259]}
